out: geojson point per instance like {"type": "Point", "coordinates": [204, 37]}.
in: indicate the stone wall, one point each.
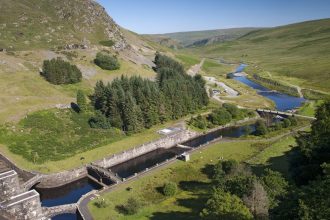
{"type": "Point", "coordinates": [57, 210]}
{"type": "Point", "coordinates": [9, 185]}
{"type": "Point", "coordinates": [165, 142]}
{"type": "Point", "coordinates": [25, 206]}
{"type": "Point", "coordinates": [25, 175]}
{"type": "Point", "coordinates": [62, 178]}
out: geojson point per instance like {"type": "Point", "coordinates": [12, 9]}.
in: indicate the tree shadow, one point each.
{"type": "Point", "coordinates": [208, 170]}
{"type": "Point", "coordinates": [194, 204]}
{"type": "Point", "coordinates": [75, 107]}
{"type": "Point", "coordinates": [193, 186]}
{"type": "Point", "coordinates": [279, 163]}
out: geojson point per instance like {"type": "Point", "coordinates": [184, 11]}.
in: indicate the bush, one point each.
{"type": "Point", "coordinates": [101, 203]}
{"type": "Point", "coordinates": [106, 61]}
{"type": "Point", "coordinates": [293, 120]}
{"type": "Point", "coordinates": [261, 128]}
{"type": "Point", "coordinates": [232, 109]}
{"type": "Point", "coordinates": [220, 116]}
{"type": "Point", "coordinates": [107, 43]}
{"type": "Point", "coordinates": [170, 189]}
{"type": "Point", "coordinates": [286, 123]}
{"type": "Point", "coordinates": [278, 126]}
{"type": "Point", "coordinates": [131, 207]}
{"type": "Point", "coordinates": [58, 71]}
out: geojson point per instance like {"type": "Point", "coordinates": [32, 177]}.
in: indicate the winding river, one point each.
{"type": "Point", "coordinates": [282, 101]}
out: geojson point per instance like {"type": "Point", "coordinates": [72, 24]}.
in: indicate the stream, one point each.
{"type": "Point", "coordinates": [282, 101]}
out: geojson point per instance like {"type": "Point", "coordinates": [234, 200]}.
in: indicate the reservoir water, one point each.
{"type": "Point", "coordinates": [148, 160]}
{"type": "Point", "coordinates": [66, 194]}
{"type": "Point", "coordinates": [282, 101]}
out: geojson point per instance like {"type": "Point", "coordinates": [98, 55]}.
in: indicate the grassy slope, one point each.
{"type": "Point", "coordinates": [298, 52]}
{"type": "Point", "coordinates": [47, 24]}
{"type": "Point", "coordinates": [192, 181]}
{"type": "Point", "coordinates": [188, 38]}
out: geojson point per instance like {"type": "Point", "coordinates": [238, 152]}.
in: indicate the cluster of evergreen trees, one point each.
{"type": "Point", "coordinates": [135, 103]}
{"type": "Point", "coordinates": [58, 71]}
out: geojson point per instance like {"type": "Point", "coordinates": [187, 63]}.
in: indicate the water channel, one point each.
{"type": "Point", "coordinates": [282, 101]}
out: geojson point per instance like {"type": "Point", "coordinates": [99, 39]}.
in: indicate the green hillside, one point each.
{"type": "Point", "coordinates": [47, 24]}
{"type": "Point", "coordinates": [189, 38]}
{"type": "Point", "coordinates": [299, 52]}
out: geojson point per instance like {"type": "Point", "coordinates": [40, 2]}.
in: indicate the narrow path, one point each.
{"type": "Point", "coordinates": [196, 68]}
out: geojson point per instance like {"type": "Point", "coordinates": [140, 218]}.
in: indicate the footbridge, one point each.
{"type": "Point", "coordinates": [31, 182]}
{"type": "Point", "coordinates": [284, 113]}
{"type": "Point", "coordinates": [104, 172]}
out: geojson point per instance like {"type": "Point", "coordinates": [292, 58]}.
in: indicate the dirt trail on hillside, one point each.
{"type": "Point", "coordinates": [196, 68]}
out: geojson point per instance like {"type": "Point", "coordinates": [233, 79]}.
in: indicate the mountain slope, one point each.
{"type": "Point", "coordinates": [196, 38]}
{"type": "Point", "coordinates": [299, 52]}
{"type": "Point", "coordinates": [26, 24]}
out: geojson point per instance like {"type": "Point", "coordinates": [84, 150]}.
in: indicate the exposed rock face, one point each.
{"type": "Point", "coordinates": [54, 23]}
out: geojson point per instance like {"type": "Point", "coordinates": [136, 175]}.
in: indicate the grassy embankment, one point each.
{"type": "Point", "coordinates": [192, 179]}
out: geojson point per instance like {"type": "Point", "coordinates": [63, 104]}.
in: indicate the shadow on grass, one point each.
{"type": "Point", "coordinates": [280, 164]}
{"type": "Point", "coordinates": [195, 204]}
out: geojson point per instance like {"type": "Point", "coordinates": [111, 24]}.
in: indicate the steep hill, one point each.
{"type": "Point", "coordinates": [48, 23]}
{"type": "Point", "coordinates": [197, 38]}
{"type": "Point", "coordinates": [299, 52]}
{"type": "Point", "coordinates": [32, 31]}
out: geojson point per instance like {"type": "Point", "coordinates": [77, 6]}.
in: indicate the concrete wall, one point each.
{"type": "Point", "coordinates": [62, 178]}
{"type": "Point", "coordinates": [165, 142]}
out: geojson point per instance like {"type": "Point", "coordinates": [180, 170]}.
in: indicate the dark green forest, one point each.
{"type": "Point", "coordinates": [134, 103]}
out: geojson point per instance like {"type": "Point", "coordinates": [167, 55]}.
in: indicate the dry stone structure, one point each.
{"type": "Point", "coordinates": [15, 203]}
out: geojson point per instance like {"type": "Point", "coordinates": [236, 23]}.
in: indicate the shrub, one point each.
{"type": "Point", "coordinates": [293, 120]}
{"type": "Point", "coordinates": [170, 189]}
{"type": "Point", "coordinates": [101, 203]}
{"type": "Point", "coordinates": [106, 61]}
{"type": "Point", "coordinates": [232, 109]}
{"type": "Point", "coordinates": [107, 43]}
{"type": "Point", "coordinates": [220, 116]}
{"type": "Point", "coordinates": [286, 123]}
{"type": "Point", "coordinates": [261, 128]}
{"type": "Point", "coordinates": [58, 71]}
{"type": "Point", "coordinates": [278, 126]}
{"type": "Point", "coordinates": [131, 207]}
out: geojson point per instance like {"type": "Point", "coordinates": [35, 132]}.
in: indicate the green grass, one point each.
{"type": "Point", "coordinates": [309, 108]}
{"type": "Point", "coordinates": [275, 157]}
{"type": "Point", "coordinates": [188, 60]}
{"type": "Point", "coordinates": [296, 53]}
{"type": "Point", "coordinates": [192, 181]}
{"type": "Point", "coordinates": [212, 67]}
{"type": "Point", "coordinates": [53, 135]}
